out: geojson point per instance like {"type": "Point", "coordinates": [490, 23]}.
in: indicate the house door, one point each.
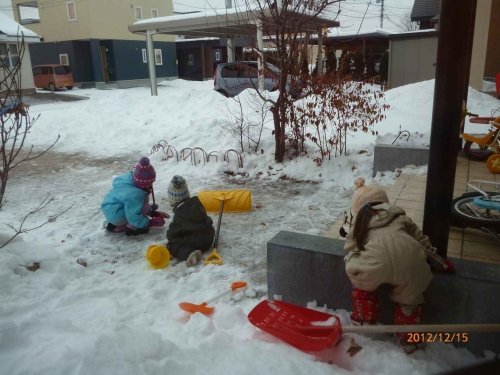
{"type": "Point", "coordinates": [104, 63]}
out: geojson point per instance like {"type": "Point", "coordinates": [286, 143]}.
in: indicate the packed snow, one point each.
{"type": "Point", "coordinates": [94, 306]}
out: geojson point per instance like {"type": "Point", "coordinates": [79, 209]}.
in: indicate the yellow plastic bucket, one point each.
{"type": "Point", "coordinates": [158, 256]}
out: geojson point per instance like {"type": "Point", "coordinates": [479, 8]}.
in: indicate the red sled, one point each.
{"type": "Point", "coordinates": [306, 329]}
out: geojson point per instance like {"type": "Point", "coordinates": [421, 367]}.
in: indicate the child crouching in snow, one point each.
{"type": "Point", "coordinates": [385, 247]}
{"type": "Point", "coordinates": [126, 206]}
{"type": "Point", "coordinates": [191, 231]}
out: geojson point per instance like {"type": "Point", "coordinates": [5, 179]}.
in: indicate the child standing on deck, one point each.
{"type": "Point", "coordinates": [191, 231]}
{"type": "Point", "coordinates": [385, 247]}
{"type": "Point", "coordinates": [126, 206]}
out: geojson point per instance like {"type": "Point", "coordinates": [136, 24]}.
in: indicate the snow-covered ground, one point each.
{"type": "Point", "coordinates": [118, 316]}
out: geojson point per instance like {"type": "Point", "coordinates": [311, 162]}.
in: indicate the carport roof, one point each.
{"type": "Point", "coordinates": [230, 23]}
{"type": "Point", "coordinates": [10, 30]}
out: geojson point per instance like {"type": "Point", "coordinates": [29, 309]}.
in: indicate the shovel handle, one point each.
{"type": "Point", "coordinates": [437, 258]}
{"type": "Point", "coordinates": [203, 307]}
{"type": "Point", "coordinates": [234, 286]}
{"type": "Point", "coordinates": [422, 328]}
{"type": "Point", "coordinates": [219, 220]}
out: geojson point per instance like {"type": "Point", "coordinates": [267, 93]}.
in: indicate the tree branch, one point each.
{"type": "Point", "coordinates": [20, 228]}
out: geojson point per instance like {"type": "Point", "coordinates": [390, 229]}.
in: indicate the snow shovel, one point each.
{"type": "Point", "coordinates": [236, 200]}
{"type": "Point", "coordinates": [444, 263]}
{"type": "Point", "coordinates": [156, 212]}
{"type": "Point", "coordinates": [214, 257]}
{"type": "Point", "coordinates": [311, 330]}
{"type": "Point", "coordinates": [203, 307]}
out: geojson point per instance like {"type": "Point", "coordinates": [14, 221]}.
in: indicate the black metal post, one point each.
{"type": "Point", "coordinates": [470, 42]}
{"type": "Point", "coordinates": [456, 30]}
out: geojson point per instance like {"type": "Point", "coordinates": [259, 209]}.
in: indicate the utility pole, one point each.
{"type": "Point", "coordinates": [381, 13]}
{"type": "Point", "coordinates": [230, 39]}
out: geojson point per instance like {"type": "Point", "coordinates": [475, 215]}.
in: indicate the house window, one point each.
{"type": "Point", "coordinates": [190, 59]}
{"type": "Point", "coordinates": [63, 59]}
{"type": "Point", "coordinates": [138, 12]}
{"type": "Point", "coordinates": [28, 13]}
{"type": "Point", "coordinates": [8, 54]}
{"type": "Point", "coordinates": [71, 8]}
{"type": "Point", "coordinates": [154, 13]}
{"type": "Point", "coordinates": [158, 57]}
{"type": "Point", "coordinates": [217, 55]}
{"type": "Point", "coordinates": [144, 56]}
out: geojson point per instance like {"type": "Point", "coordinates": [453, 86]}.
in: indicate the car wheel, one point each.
{"type": "Point", "coordinates": [52, 87]}
{"type": "Point", "coordinates": [476, 152]}
{"type": "Point", "coordinates": [69, 87]}
{"type": "Point", "coordinates": [223, 92]}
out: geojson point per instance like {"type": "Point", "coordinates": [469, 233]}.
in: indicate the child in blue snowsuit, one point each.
{"type": "Point", "coordinates": [126, 206]}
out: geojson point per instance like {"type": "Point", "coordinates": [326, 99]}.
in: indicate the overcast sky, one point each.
{"type": "Point", "coordinates": [193, 5]}
{"type": "Point", "coordinates": [356, 14]}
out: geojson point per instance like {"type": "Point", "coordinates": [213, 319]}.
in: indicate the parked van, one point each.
{"type": "Point", "coordinates": [232, 78]}
{"type": "Point", "coordinates": [53, 76]}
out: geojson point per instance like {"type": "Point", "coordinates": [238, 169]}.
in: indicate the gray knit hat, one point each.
{"type": "Point", "coordinates": [177, 190]}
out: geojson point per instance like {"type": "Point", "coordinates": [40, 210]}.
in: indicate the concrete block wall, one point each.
{"type": "Point", "coordinates": [303, 268]}
{"type": "Point", "coordinates": [391, 157]}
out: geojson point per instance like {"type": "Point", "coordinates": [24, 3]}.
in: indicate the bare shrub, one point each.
{"type": "Point", "coordinates": [246, 127]}
{"type": "Point", "coordinates": [16, 123]}
{"type": "Point", "coordinates": [15, 120]}
{"type": "Point", "coordinates": [336, 108]}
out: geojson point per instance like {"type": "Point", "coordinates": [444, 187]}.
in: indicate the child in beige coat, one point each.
{"type": "Point", "coordinates": [385, 247]}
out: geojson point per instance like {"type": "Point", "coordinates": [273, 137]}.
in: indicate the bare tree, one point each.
{"type": "Point", "coordinates": [406, 24]}
{"type": "Point", "coordinates": [15, 120]}
{"type": "Point", "coordinates": [285, 26]}
{"type": "Point", "coordinates": [16, 124]}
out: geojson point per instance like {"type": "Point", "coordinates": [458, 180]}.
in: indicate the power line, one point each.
{"type": "Point", "coordinates": [386, 6]}
{"type": "Point", "coordinates": [361, 23]}
{"type": "Point", "coordinates": [195, 7]}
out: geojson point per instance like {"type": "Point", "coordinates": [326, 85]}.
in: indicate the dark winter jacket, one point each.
{"type": "Point", "coordinates": [191, 228]}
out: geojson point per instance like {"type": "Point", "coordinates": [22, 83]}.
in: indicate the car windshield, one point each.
{"type": "Point", "coordinates": [273, 68]}
{"type": "Point", "coordinates": [63, 69]}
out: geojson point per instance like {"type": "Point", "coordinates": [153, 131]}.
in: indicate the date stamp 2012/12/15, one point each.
{"type": "Point", "coordinates": [447, 337]}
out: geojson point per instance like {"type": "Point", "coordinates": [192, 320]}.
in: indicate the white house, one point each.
{"type": "Point", "coordinates": [10, 37]}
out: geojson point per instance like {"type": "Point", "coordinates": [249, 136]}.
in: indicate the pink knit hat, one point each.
{"type": "Point", "coordinates": [144, 173]}
{"type": "Point", "coordinates": [366, 194]}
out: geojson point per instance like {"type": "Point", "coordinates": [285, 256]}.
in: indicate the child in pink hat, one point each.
{"type": "Point", "coordinates": [126, 206]}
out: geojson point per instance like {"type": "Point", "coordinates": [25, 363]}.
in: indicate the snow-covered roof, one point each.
{"type": "Point", "coordinates": [425, 9]}
{"type": "Point", "coordinates": [229, 22]}
{"type": "Point", "coordinates": [372, 32]}
{"type": "Point", "coordinates": [180, 39]}
{"type": "Point", "coordinates": [415, 34]}
{"type": "Point", "coordinates": [10, 29]}
{"type": "Point", "coordinates": [382, 33]}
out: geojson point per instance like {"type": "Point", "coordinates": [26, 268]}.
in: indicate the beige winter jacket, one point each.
{"type": "Point", "coordinates": [394, 254]}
